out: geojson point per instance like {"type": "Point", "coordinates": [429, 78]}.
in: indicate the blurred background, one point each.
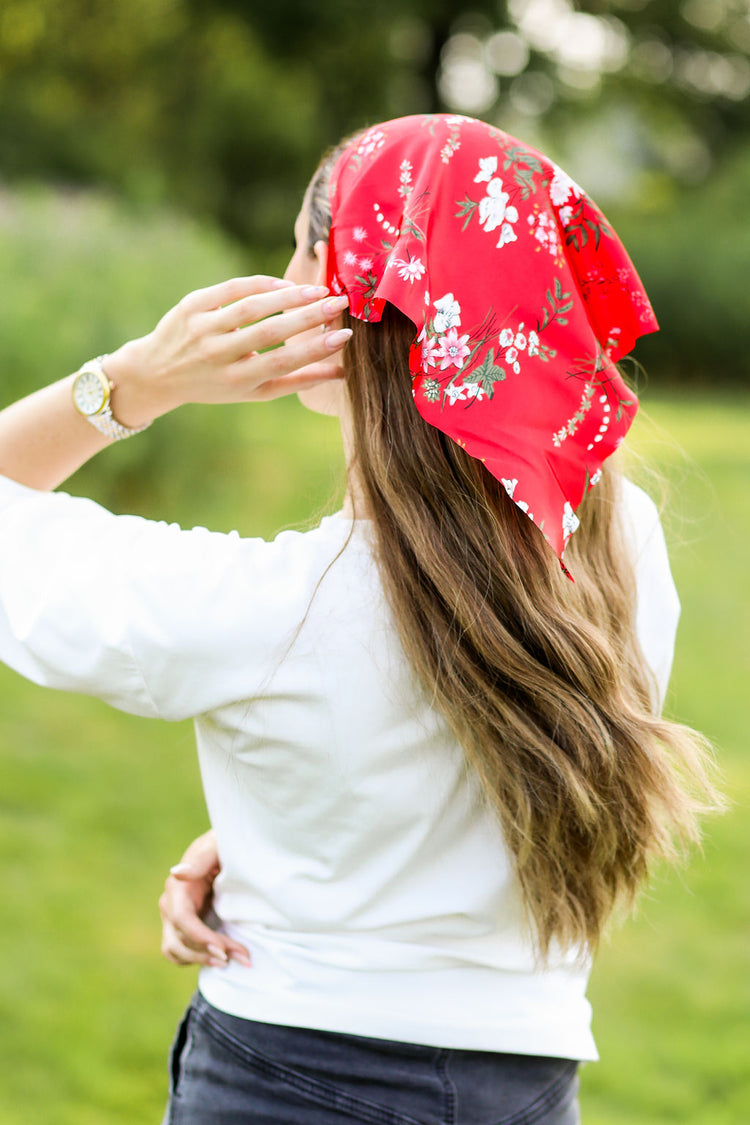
{"type": "Point", "coordinates": [149, 147]}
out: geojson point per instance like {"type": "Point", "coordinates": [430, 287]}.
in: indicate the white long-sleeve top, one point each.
{"type": "Point", "coordinates": [359, 866]}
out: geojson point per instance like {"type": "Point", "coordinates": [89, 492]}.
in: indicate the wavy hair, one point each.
{"type": "Point", "coordinates": [542, 681]}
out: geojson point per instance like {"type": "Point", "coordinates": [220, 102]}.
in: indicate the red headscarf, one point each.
{"type": "Point", "coordinates": [522, 296]}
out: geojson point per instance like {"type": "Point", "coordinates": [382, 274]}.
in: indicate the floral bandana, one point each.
{"type": "Point", "coordinates": [521, 293]}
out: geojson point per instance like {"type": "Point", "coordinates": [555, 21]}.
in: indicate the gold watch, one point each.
{"type": "Point", "coordinates": [91, 398]}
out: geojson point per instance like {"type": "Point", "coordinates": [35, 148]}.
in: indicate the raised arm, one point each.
{"type": "Point", "coordinates": [206, 349]}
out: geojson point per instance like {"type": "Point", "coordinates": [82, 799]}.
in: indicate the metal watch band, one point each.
{"type": "Point", "coordinates": [112, 429]}
{"type": "Point", "coordinates": [104, 421]}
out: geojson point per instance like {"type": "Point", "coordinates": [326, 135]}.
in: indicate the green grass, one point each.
{"type": "Point", "coordinates": [95, 805]}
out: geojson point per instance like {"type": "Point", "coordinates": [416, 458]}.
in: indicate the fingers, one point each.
{"type": "Point", "coordinates": [275, 330]}
{"type": "Point", "coordinates": [250, 309]}
{"type": "Point", "coordinates": [293, 368]}
{"type": "Point", "coordinates": [187, 940]}
{"type": "Point", "coordinates": [234, 289]}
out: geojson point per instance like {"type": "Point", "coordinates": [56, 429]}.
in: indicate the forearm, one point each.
{"type": "Point", "coordinates": [43, 438]}
{"type": "Point", "coordinates": [218, 345]}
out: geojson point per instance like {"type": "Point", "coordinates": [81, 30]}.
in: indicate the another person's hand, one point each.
{"type": "Point", "coordinates": [210, 348]}
{"type": "Point", "coordinates": [188, 892]}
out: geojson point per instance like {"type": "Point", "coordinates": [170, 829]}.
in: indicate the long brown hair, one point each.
{"type": "Point", "coordinates": [542, 680]}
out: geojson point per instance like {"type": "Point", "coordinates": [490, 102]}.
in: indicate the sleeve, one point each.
{"type": "Point", "coordinates": [658, 605]}
{"type": "Point", "coordinates": [152, 619]}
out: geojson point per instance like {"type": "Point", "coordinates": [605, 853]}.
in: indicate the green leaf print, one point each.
{"type": "Point", "coordinates": [486, 375]}
{"type": "Point", "coordinates": [466, 208]}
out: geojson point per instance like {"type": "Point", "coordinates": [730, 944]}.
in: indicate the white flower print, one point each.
{"type": "Point", "coordinates": [566, 213]}
{"type": "Point", "coordinates": [350, 258]}
{"type": "Point", "coordinates": [509, 485]}
{"type": "Point", "coordinates": [487, 169]}
{"type": "Point", "coordinates": [562, 187]}
{"type": "Point", "coordinates": [410, 270]}
{"type": "Point", "coordinates": [533, 343]}
{"type": "Point", "coordinates": [511, 355]}
{"type": "Point", "coordinates": [359, 234]}
{"type": "Point", "coordinates": [494, 212]}
{"type": "Point", "coordinates": [365, 264]}
{"type": "Point", "coordinates": [475, 390]}
{"type": "Point", "coordinates": [405, 184]}
{"type": "Point", "coordinates": [520, 340]}
{"type": "Point", "coordinates": [427, 296]}
{"type": "Point", "coordinates": [507, 234]}
{"type": "Point", "coordinates": [544, 230]}
{"type": "Point", "coordinates": [451, 145]}
{"type": "Point", "coordinates": [455, 393]}
{"type": "Point", "coordinates": [506, 338]}
{"type": "Point", "coordinates": [452, 349]}
{"type": "Point", "coordinates": [570, 521]}
{"type": "Point", "coordinates": [448, 313]}
{"type": "Point", "coordinates": [517, 367]}
{"type": "Point", "coordinates": [492, 208]}
{"type": "Point", "coordinates": [372, 140]}
{"type": "Point", "coordinates": [596, 477]}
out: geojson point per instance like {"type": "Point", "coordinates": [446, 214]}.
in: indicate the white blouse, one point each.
{"type": "Point", "coordinates": [373, 890]}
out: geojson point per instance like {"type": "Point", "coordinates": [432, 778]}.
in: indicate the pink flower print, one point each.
{"type": "Point", "coordinates": [452, 349]}
{"type": "Point", "coordinates": [410, 270]}
{"type": "Point", "coordinates": [350, 258]}
{"type": "Point", "coordinates": [365, 264]}
{"type": "Point", "coordinates": [359, 234]}
{"type": "Point", "coordinates": [430, 354]}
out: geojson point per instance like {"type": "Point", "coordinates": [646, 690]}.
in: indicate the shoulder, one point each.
{"type": "Point", "coordinates": [641, 521]}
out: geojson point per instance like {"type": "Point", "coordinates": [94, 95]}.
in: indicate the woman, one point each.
{"type": "Point", "coordinates": [430, 750]}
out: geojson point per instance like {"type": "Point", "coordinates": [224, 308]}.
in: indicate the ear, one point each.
{"type": "Point", "coordinates": [320, 250]}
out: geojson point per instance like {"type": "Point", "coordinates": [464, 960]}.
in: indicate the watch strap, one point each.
{"type": "Point", "coordinates": [104, 421]}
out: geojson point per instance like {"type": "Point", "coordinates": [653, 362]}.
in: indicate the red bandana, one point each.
{"type": "Point", "coordinates": [522, 295]}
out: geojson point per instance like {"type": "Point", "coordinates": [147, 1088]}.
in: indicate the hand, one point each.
{"type": "Point", "coordinates": [206, 349]}
{"type": "Point", "coordinates": [186, 939]}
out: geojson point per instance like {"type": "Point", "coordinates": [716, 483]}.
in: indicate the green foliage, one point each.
{"type": "Point", "coordinates": [692, 250]}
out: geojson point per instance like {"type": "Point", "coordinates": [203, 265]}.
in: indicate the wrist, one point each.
{"type": "Point", "coordinates": [134, 395]}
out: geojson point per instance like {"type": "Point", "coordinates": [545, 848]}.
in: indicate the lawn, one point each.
{"type": "Point", "coordinates": [96, 805]}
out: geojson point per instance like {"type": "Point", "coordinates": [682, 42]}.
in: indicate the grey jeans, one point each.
{"type": "Point", "coordinates": [229, 1071]}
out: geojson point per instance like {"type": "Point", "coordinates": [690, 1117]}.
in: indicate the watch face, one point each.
{"type": "Point", "coordinates": [89, 393]}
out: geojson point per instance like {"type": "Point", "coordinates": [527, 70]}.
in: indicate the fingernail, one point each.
{"type": "Point", "coordinates": [335, 304]}
{"type": "Point", "coordinates": [180, 869]}
{"type": "Point", "coordinates": [336, 339]}
{"type": "Point", "coordinates": [215, 951]}
{"type": "Point", "coordinates": [242, 960]}
{"type": "Point", "coordinates": [313, 292]}
{"type": "Point", "coordinates": [281, 283]}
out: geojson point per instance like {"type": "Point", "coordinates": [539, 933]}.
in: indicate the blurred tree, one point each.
{"type": "Point", "coordinates": [225, 106]}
